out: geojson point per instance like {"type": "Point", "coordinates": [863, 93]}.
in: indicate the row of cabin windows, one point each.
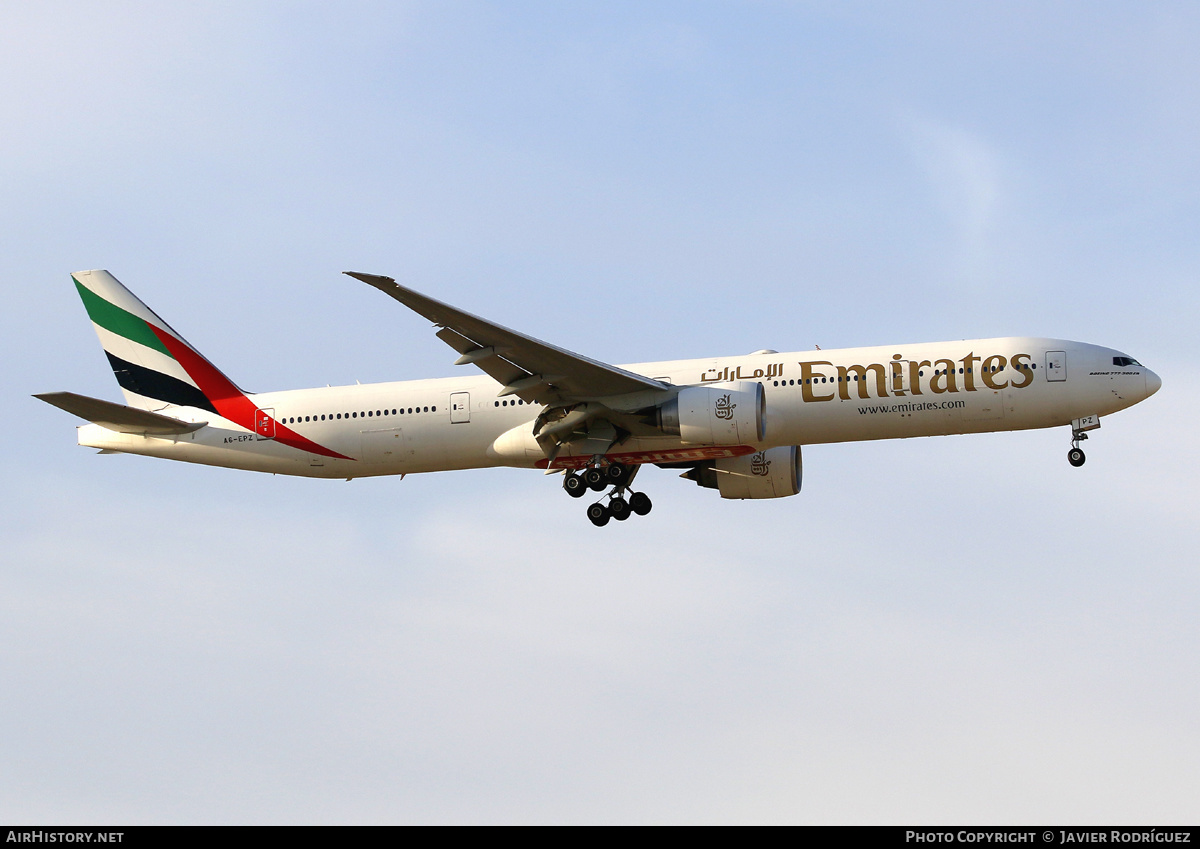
{"type": "Point", "coordinates": [412, 411]}
{"type": "Point", "coordinates": [921, 373]}
{"type": "Point", "coordinates": [512, 403]}
{"type": "Point", "coordinates": [371, 413]}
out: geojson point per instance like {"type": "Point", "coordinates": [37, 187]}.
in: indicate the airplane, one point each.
{"type": "Point", "coordinates": [735, 424]}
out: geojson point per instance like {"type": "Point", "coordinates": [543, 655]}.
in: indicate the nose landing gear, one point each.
{"type": "Point", "coordinates": [1079, 428]}
{"type": "Point", "coordinates": [598, 478]}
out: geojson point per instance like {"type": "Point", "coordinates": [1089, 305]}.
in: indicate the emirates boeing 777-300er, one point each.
{"type": "Point", "coordinates": [735, 424]}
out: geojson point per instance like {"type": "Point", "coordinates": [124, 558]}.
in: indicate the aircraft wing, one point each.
{"type": "Point", "coordinates": [535, 371]}
{"type": "Point", "coordinates": [117, 416]}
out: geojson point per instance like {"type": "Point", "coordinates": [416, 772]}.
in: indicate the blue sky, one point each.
{"type": "Point", "coordinates": [937, 631]}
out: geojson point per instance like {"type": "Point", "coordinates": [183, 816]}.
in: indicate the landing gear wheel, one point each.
{"type": "Point", "coordinates": [639, 503]}
{"type": "Point", "coordinates": [1076, 457]}
{"type": "Point", "coordinates": [617, 474]}
{"type": "Point", "coordinates": [598, 514]}
{"type": "Point", "coordinates": [574, 485]}
{"type": "Point", "coordinates": [619, 508]}
{"type": "Point", "coordinates": [595, 479]}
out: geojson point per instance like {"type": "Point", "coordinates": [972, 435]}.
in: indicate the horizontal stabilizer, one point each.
{"type": "Point", "coordinates": [117, 416]}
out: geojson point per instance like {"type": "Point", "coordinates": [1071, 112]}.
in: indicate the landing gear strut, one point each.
{"type": "Point", "coordinates": [1075, 456]}
{"type": "Point", "coordinates": [599, 478]}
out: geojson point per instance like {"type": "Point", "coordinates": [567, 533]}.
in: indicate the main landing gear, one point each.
{"type": "Point", "coordinates": [599, 478]}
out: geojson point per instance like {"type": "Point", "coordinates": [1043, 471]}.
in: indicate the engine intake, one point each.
{"type": "Point", "coordinates": [730, 413]}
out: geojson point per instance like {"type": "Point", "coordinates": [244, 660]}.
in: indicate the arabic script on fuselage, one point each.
{"type": "Point", "coordinates": [822, 380]}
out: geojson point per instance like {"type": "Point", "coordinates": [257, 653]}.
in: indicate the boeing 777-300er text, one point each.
{"type": "Point", "coordinates": [734, 424]}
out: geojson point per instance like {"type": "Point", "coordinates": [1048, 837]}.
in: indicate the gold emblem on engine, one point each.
{"type": "Point", "coordinates": [723, 408]}
{"type": "Point", "coordinates": [759, 464]}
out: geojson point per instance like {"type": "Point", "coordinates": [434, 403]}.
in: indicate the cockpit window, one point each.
{"type": "Point", "coordinates": [1126, 361]}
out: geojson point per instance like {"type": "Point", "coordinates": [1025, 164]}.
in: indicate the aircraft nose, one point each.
{"type": "Point", "coordinates": [1153, 383]}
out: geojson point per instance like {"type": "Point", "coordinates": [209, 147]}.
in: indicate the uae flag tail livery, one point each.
{"type": "Point", "coordinates": [158, 370]}
{"type": "Point", "coordinates": [154, 365]}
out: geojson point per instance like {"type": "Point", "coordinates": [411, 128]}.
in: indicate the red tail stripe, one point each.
{"type": "Point", "coordinates": [229, 400]}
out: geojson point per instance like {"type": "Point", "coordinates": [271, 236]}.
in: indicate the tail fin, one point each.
{"type": "Point", "coordinates": [154, 365]}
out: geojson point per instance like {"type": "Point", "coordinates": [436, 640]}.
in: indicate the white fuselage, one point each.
{"type": "Point", "coordinates": [812, 397]}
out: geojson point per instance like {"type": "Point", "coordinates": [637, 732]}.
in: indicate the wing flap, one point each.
{"type": "Point", "coordinates": [117, 416]}
{"type": "Point", "coordinates": [517, 359]}
{"type": "Point", "coordinates": [488, 360]}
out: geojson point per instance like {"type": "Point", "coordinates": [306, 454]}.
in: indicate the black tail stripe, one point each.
{"type": "Point", "coordinates": [159, 386]}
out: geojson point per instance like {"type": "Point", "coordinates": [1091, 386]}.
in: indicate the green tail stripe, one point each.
{"type": "Point", "coordinates": [113, 318]}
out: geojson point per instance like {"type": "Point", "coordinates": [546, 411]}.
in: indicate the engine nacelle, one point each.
{"type": "Point", "coordinates": [730, 413]}
{"type": "Point", "coordinates": [773, 473]}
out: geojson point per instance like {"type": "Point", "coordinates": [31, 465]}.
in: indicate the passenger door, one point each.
{"type": "Point", "coordinates": [460, 407]}
{"type": "Point", "coordinates": [1056, 365]}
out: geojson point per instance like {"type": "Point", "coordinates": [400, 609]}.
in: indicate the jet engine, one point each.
{"type": "Point", "coordinates": [718, 414]}
{"type": "Point", "coordinates": [773, 473]}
